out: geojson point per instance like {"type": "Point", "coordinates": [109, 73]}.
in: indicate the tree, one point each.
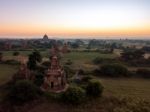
{"type": "Point", "coordinates": [80, 42]}
{"type": "Point", "coordinates": [145, 73]}
{"type": "Point", "coordinates": [94, 88]}
{"type": "Point", "coordinates": [73, 95]}
{"type": "Point", "coordinates": [31, 64]}
{"type": "Point", "coordinates": [39, 79]}
{"type": "Point", "coordinates": [23, 91]}
{"type": "Point", "coordinates": [75, 45]}
{"type": "Point", "coordinates": [146, 48]}
{"type": "Point", "coordinates": [92, 43]}
{"type": "Point", "coordinates": [98, 60]}
{"type": "Point", "coordinates": [114, 70]}
{"type": "Point", "coordinates": [132, 55]}
{"type": "Point", "coordinates": [16, 53]}
{"type": "Point", "coordinates": [37, 56]}
{"type": "Point", "coordinates": [113, 45]}
{"type": "Point", "coordinates": [33, 59]}
{"type": "Point", "coordinates": [1, 56]}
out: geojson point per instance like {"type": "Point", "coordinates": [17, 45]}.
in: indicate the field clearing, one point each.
{"type": "Point", "coordinates": [117, 87]}
{"type": "Point", "coordinates": [6, 72]}
{"type": "Point", "coordinates": [84, 59]}
{"type": "Point", "coordinates": [130, 87]}
{"type": "Point", "coordinates": [87, 55]}
{"type": "Point", "coordinates": [136, 89]}
{"type": "Point", "coordinates": [24, 53]}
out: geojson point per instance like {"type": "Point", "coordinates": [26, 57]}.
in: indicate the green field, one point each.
{"type": "Point", "coordinates": [25, 53]}
{"type": "Point", "coordinates": [130, 87]}
{"type": "Point", "coordinates": [115, 87]}
{"type": "Point", "coordinates": [84, 59]}
{"type": "Point", "coordinates": [120, 95]}
{"type": "Point", "coordinates": [6, 72]}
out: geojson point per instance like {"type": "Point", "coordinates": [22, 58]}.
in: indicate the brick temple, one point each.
{"type": "Point", "coordinates": [23, 72]}
{"type": "Point", "coordinates": [55, 78]}
{"type": "Point", "coordinates": [65, 48]}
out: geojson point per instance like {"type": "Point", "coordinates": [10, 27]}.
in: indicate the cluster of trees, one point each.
{"type": "Point", "coordinates": [99, 60]}
{"type": "Point", "coordinates": [135, 57]}
{"type": "Point", "coordinates": [113, 70]}
{"type": "Point", "coordinates": [1, 56]}
{"type": "Point", "coordinates": [104, 44]}
{"type": "Point", "coordinates": [146, 49]}
{"type": "Point", "coordinates": [34, 58]}
{"type": "Point", "coordinates": [76, 44]}
{"type": "Point", "coordinates": [132, 55]}
{"type": "Point", "coordinates": [22, 91]}
{"type": "Point", "coordinates": [118, 70]}
{"type": "Point", "coordinates": [145, 73]}
{"type": "Point", "coordinates": [76, 94]}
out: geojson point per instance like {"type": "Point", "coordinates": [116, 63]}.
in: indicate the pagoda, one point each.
{"type": "Point", "coordinates": [65, 48]}
{"type": "Point", "coordinates": [45, 37]}
{"type": "Point", "coordinates": [7, 46]}
{"type": "Point", "coordinates": [55, 77]}
{"type": "Point", "coordinates": [23, 72]}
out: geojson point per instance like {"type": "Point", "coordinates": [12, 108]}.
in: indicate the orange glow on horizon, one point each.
{"type": "Point", "coordinates": [70, 31]}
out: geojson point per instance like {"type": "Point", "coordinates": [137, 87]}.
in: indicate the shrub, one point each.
{"type": "Point", "coordinates": [69, 71]}
{"type": "Point", "coordinates": [73, 95]}
{"type": "Point", "coordinates": [114, 70]}
{"type": "Point", "coordinates": [98, 60]}
{"type": "Point", "coordinates": [87, 78]}
{"type": "Point", "coordinates": [69, 62]}
{"type": "Point", "coordinates": [16, 53]}
{"type": "Point", "coordinates": [94, 88]}
{"type": "Point", "coordinates": [46, 63]}
{"type": "Point", "coordinates": [81, 72]}
{"type": "Point", "coordinates": [11, 62]}
{"type": "Point", "coordinates": [145, 73]}
{"type": "Point", "coordinates": [23, 91]}
{"type": "Point", "coordinates": [39, 79]}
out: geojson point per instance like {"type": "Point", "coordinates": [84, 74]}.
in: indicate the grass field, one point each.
{"type": "Point", "coordinates": [24, 53]}
{"type": "Point", "coordinates": [130, 87]}
{"type": "Point", "coordinates": [6, 72]}
{"type": "Point", "coordinates": [120, 95]}
{"type": "Point", "coordinates": [84, 59]}
{"type": "Point", "coordinates": [116, 87]}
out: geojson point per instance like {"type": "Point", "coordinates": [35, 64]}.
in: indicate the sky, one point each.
{"type": "Point", "coordinates": [75, 18]}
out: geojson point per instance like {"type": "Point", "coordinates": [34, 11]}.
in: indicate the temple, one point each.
{"type": "Point", "coordinates": [65, 48]}
{"type": "Point", "coordinates": [7, 46]}
{"type": "Point", "coordinates": [55, 78]}
{"type": "Point", "coordinates": [23, 72]}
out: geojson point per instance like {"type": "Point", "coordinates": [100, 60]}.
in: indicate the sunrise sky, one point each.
{"type": "Point", "coordinates": [75, 18]}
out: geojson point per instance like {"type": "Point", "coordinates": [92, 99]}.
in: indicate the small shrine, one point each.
{"type": "Point", "coordinates": [7, 46]}
{"type": "Point", "coordinates": [24, 44]}
{"type": "Point", "coordinates": [65, 48]}
{"type": "Point", "coordinates": [23, 72]}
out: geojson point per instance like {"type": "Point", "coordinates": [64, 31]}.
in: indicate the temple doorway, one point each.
{"type": "Point", "coordinates": [52, 84]}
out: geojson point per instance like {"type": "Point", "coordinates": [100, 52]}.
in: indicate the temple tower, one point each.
{"type": "Point", "coordinates": [65, 48]}
{"type": "Point", "coordinates": [23, 72]}
{"type": "Point", "coordinates": [55, 79]}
